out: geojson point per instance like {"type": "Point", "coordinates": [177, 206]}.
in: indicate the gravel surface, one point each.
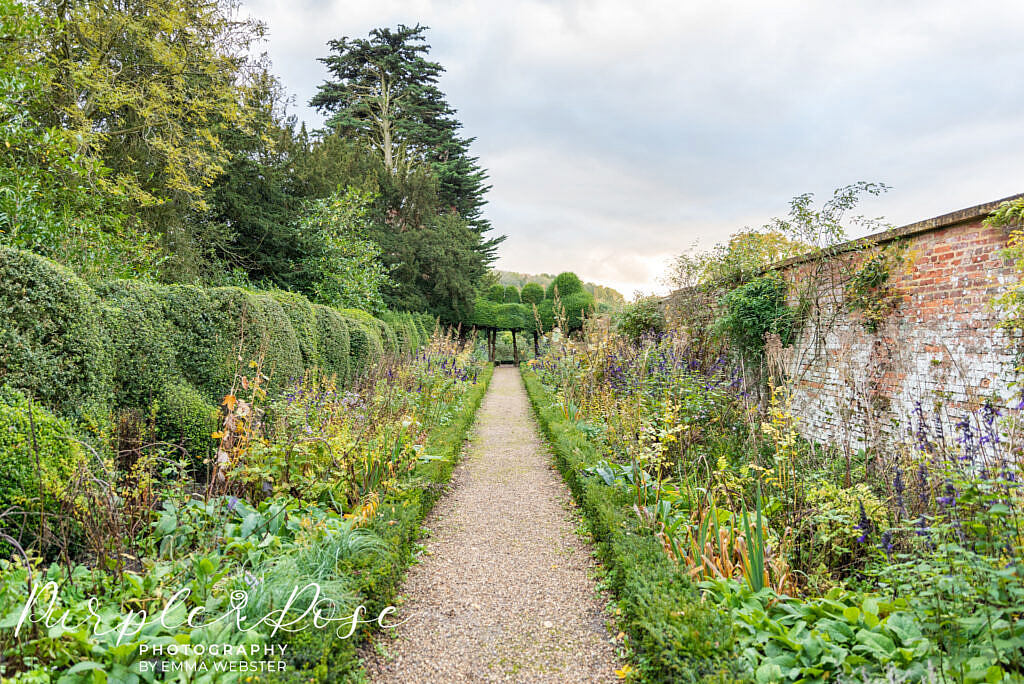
{"type": "Point", "coordinates": [504, 591]}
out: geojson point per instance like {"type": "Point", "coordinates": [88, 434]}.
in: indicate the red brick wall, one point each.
{"type": "Point", "coordinates": [940, 345]}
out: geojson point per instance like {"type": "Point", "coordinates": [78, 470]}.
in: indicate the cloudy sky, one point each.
{"type": "Point", "coordinates": [619, 132]}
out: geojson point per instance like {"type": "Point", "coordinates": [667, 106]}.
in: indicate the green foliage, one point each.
{"type": "Point", "coordinates": [869, 289]}
{"type": "Point", "coordinates": [365, 343]}
{"type": "Point", "coordinates": [567, 284]}
{"type": "Point", "coordinates": [23, 482]}
{"type": "Point", "coordinates": [52, 343]}
{"type": "Point", "coordinates": [643, 317]}
{"type": "Point", "coordinates": [348, 272]}
{"type": "Point", "coordinates": [602, 295]}
{"type": "Point", "coordinates": [512, 295]}
{"type": "Point", "coordinates": [496, 293]}
{"type": "Point", "coordinates": [262, 326]}
{"type": "Point", "coordinates": [50, 202]}
{"type": "Point", "coordinates": [746, 255]}
{"type": "Point", "coordinates": [186, 419]}
{"type": "Point", "coordinates": [677, 637]}
{"type": "Point", "coordinates": [383, 93]}
{"type": "Point", "coordinates": [303, 317]}
{"type": "Point", "coordinates": [148, 106]}
{"type": "Point", "coordinates": [140, 338]}
{"type": "Point", "coordinates": [532, 293]}
{"type": "Point", "coordinates": [754, 310]}
{"type": "Point", "coordinates": [1011, 302]}
{"type": "Point", "coordinates": [334, 343]}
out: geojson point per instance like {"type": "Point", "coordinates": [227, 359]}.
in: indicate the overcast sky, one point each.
{"type": "Point", "coordinates": [619, 132]}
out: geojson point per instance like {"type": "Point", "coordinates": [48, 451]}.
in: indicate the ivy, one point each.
{"type": "Point", "coordinates": [753, 310]}
{"type": "Point", "coordinates": [870, 290]}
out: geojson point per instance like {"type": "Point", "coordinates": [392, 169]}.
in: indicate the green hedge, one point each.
{"type": "Point", "coordinates": [52, 340]}
{"type": "Point", "coordinates": [303, 318]}
{"type": "Point", "coordinates": [333, 338]}
{"type": "Point", "coordinates": [319, 657]}
{"type": "Point", "coordinates": [677, 638]}
{"type": "Point", "coordinates": [170, 350]}
{"type": "Point", "coordinates": [58, 456]}
{"type": "Point", "coordinates": [500, 307]}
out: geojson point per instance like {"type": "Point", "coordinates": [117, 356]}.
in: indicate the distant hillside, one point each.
{"type": "Point", "coordinates": [602, 294]}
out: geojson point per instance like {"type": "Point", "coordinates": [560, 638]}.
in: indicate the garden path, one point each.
{"type": "Point", "coordinates": [504, 591]}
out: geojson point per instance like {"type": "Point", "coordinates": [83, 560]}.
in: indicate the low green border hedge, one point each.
{"type": "Point", "coordinates": [321, 656]}
{"type": "Point", "coordinates": [676, 637]}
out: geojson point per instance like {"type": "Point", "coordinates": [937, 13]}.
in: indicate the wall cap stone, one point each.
{"type": "Point", "coordinates": [953, 218]}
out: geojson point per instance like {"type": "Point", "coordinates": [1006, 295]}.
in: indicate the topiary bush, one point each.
{"type": "Point", "coordinates": [512, 295]}
{"type": "Point", "coordinates": [263, 328]}
{"type": "Point", "coordinates": [186, 419]}
{"type": "Point", "coordinates": [334, 342]}
{"type": "Point", "coordinates": [303, 318]}
{"type": "Point", "coordinates": [567, 285]}
{"type": "Point", "coordinates": [59, 456]}
{"type": "Point", "coordinates": [532, 293]}
{"type": "Point", "coordinates": [203, 348]}
{"type": "Point", "coordinates": [753, 310]}
{"type": "Point", "coordinates": [52, 341]}
{"type": "Point", "coordinates": [495, 293]}
{"type": "Point", "coordinates": [141, 341]}
{"type": "Point", "coordinates": [643, 317]}
{"type": "Point", "coordinates": [366, 346]}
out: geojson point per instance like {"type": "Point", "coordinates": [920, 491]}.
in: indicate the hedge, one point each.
{"type": "Point", "coordinates": [322, 657]}
{"type": "Point", "coordinates": [52, 342]}
{"type": "Point", "coordinates": [23, 481]}
{"type": "Point", "coordinates": [334, 342]}
{"type": "Point", "coordinates": [676, 636]}
{"type": "Point", "coordinates": [169, 350]}
{"type": "Point", "coordinates": [500, 309]}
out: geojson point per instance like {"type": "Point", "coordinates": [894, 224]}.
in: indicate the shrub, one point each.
{"type": "Point", "coordinates": [512, 295]}
{"type": "Point", "coordinates": [532, 293]}
{"type": "Point", "coordinates": [333, 342]}
{"type": "Point", "coordinates": [365, 344]}
{"type": "Point", "coordinates": [753, 310]}
{"type": "Point", "coordinates": [642, 317]}
{"type": "Point", "coordinates": [567, 284]}
{"type": "Point", "coordinates": [186, 419]}
{"type": "Point", "coordinates": [496, 293]}
{"type": "Point", "coordinates": [140, 338]}
{"type": "Point", "coordinates": [203, 349]}
{"type": "Point", "coordinates": [52, 343]}
{"type": "Point", "coordinates": [303, 318]}
{"type": "Point", "coordinates": [59, 456]}
{"type": "Point", "coordinates": [262, 325]}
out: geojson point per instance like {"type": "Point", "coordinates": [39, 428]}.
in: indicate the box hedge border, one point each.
{"type": "Point", "coordinates": [676, 636]}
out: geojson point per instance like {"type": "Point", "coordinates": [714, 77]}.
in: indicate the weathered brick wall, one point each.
{"type": "Point", "coordinates": [938, 352]}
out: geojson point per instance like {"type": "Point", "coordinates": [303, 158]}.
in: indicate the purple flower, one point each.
{"type": "Point", "coordinates": [232, 502]}
{"type": "Point", "coordinates": [897, 485]}
{"type": "Point", "coordinates": [864, 524]}
{"type": "Point", "coordinates": [886, 544]}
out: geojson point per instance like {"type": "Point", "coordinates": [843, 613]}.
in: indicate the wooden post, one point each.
{"type": "Point", "coordinates": [515, 348]}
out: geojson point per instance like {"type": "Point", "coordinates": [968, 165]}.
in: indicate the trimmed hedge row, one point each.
{"type": "Point", "coordinates": [169, 350]}
{"type": "Point", "coordinates": [506, 308]}
{"type": "Point", "coordinates": [322, 656]}
{"type": "Point", "coordinates": [677, 637]}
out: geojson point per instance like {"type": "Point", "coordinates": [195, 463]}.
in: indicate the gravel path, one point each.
{"type": "Point", "coordinates": [505, 593]}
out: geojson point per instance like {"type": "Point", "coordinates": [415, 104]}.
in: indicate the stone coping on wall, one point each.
{"type": "Point", "coordinates": [944, 221]}
{"type": "Point", "coordinates": [927, 225]}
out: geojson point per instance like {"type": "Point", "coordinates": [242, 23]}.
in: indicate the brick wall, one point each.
{"type": "Point", "coordinates": [938, 347]}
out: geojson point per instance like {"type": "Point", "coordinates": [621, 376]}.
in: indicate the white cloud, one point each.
{"type": "Point", "coordinates": [617, 133]}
